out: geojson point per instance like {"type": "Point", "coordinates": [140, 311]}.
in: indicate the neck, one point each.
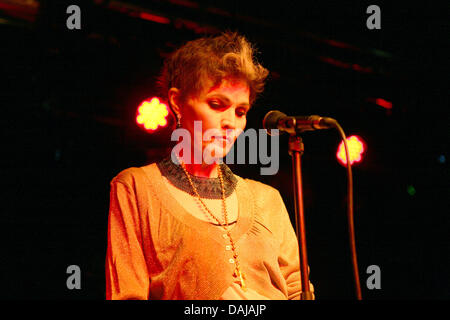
{"type": "Point", "coordinates": [208, 186]}
{"type": "Point", "coordinates": [203, 170]}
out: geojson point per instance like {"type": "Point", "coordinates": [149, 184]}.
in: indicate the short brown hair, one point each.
{"type": "Point", "coordinates": [226, 55]}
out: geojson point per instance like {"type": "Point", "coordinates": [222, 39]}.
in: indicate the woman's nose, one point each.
{"type": "Point", "coordinates": [229, 119]}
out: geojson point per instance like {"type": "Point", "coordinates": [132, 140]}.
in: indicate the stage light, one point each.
{"type": "Point", "coordinates": [383, 103]}
{"type": "Point", "coordinates": [152, 114]}
{"type": "Point", "coordinates": [356, 148]}
{"type": "Point", "coordinates": [411, 190]}
{"type": "Point", "coordinates": [154, 18]}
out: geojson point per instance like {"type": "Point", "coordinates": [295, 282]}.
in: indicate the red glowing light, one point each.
{"type": "Point", "coordinates": [355, 149]}
{"type": "Point", "coordinates": [383, 103]}
{"type": "Point", "coordinates": [154, 18]}
{"type": "Point", "coordinates": [185, 3]}
{"type": "Point", "coordinates": [152, 114]}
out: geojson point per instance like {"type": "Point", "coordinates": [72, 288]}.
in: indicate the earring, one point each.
{"type": "Point", "coordinates": [178, 121]}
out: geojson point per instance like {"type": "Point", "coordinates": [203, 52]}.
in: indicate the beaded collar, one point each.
{"type": "Point", "coordinates": [208, 188]}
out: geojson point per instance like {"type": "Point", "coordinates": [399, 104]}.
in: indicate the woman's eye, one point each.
{"type": "Point", "coordinates": [241, 113]}
{"type": "Point", "coordinates": [215, 104]}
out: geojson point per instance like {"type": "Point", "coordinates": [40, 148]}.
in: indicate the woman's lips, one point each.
{"type": "Point", "coordinates": [220, 137]}
{"type": "Point", "coordinates": [223, 139]}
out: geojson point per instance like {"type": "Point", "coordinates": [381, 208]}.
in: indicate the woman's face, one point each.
{"type": "Point", "coordinates": [222, 110]}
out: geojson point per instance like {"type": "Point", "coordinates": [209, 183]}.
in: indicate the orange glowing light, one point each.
{"type": "Point", "coordinates": [355, 150]}
{"type": "Point", "coordinates": [152, 114]}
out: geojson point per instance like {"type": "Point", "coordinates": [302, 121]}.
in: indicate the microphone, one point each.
{"type": "Point", "coordinates": [295, 124]}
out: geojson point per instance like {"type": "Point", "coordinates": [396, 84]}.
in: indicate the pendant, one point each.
{"type": "Point", "coordinates": [238, 274]}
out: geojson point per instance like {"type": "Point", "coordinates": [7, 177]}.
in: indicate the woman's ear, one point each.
{"type": "Point", "coordinates": [174, 100]}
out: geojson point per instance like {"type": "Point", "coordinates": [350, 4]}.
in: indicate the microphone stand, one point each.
{"type": "Point", "coordinates": [294, 126]}
{"type": "Point", "coordinates": [296, 149]}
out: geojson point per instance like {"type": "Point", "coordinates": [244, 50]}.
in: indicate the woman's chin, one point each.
{"type": "Point", "coordinates": [214, 154]}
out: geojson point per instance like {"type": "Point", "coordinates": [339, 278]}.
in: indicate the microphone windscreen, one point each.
{"type": "Point", "coordinates": [271, 119]}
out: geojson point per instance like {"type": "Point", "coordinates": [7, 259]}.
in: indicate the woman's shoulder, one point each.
{"type": "Point", "coordinates": [130, 175]}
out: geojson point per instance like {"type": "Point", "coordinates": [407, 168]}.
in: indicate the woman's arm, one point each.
{"type": "Point", "coordinates": [126, 269]}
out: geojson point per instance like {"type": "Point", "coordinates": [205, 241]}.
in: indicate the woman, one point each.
{"type": "Point", "coordinates": [187, 229]}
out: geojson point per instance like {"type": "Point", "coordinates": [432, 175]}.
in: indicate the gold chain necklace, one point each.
{"type": "Point", "coordinates": [237, 271]}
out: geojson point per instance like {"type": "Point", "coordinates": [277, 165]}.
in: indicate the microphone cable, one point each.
{"type": "Point", "coordinates": [351, 227]}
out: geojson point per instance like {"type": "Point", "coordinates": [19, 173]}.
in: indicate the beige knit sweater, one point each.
{"type": "Point", "coordinates": [159, 251]}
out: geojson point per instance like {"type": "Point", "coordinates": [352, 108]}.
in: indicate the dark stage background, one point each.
{"type": "Point", "coordinates": [69, 99]}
